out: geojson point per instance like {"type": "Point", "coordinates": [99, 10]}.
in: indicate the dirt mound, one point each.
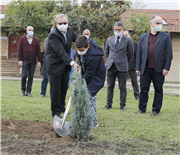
{"type": "Point", "coordinates": [36, 130]}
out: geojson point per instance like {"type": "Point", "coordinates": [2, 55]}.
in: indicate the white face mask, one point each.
{"type": "Point", "coordinates": [86, 36]}
{"type": "Point", "coordinates": [82, 52]}
{"type": "Point", "coordinates": [157, 28]}
{"type": "Point", "coordinates": [118, 34]}
{"type": "Point", "coordinates": [62, 28]}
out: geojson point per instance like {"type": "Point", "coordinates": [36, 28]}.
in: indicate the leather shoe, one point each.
{"type": "Point", "coordinates": [141, 112]}
{"type": "Point", "coordinates": [107, 107]}
{"type": "Point", "coordinates": [154, 114]}
{"type": "Point", "coordinates": [123, 108]}
{"type": "Point", "coordinates": [22, 93]}
{"type": "Point", "coordinates": [29, 94]}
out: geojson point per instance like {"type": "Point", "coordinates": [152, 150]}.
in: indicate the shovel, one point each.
{"type": "Point", "coordinates": [61, 126]}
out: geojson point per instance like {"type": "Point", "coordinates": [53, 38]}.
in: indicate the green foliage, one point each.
{"type": "Point", "coordinates": [20, 14]}
{"type": "Point", "coordinates": [138, 23]}
{"type": "Point", "coordinates": [97, 16]}
{"type": "Point", "coordinates": [82, 118]}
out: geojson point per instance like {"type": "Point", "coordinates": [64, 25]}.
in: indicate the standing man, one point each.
{"type": "Point", "coordinates": [119, 52]}
{"type": "Point", "coordinates": [57, 62]}
{"type": "Point", "coordinates": [132, 69]}
{"type": "Point", "coordinates": [28, 53]}
{"type": "Point", "coordinates": [153, 62]}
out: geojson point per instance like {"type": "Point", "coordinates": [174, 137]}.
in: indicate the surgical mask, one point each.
{"type": "Point", "coordinates": [157, 28]}
{"type": "Point", "coordinates": [30, 33]}
{"type": "Point", "coordinates": [62, 28]}
{"type": "Point", "coordinates": [82, 52]}
{"type": "Point", "coordinates": [118, 34]}
{"type": "Point", "coordinates": [86, 36]}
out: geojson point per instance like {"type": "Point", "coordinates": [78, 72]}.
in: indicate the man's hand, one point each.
{"type": "Point", "coordinates": [165, 72]}
{"type": "Point", "coordinates": [138, 72]}
{"type": "Point", "coordinates": [39, 64]}
{"type": "Point", "coordinates": [20, 63]}
{"type": "Point", "coordinates": [76, 66]}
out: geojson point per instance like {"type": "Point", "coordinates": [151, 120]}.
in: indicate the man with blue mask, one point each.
{"type": "Point", "coordinates": [153, 61]}
{"type": "Point", "coordinates": [28, 55]}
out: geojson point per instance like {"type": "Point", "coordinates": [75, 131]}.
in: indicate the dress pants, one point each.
{"type": "Point", "coordinates": [58, 90]}
{"type": "Point", "coordinates": [145, 81]}
{"type": "Point", "coordinates": [27, 70]}
{"type": "Point", "coordinates": [112, 73]}
{"type": "Point", "coordinates": [44, 84]}
{"type": "Point", "coordinates": [134, 82]}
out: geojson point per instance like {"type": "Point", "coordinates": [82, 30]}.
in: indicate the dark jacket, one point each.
{"type": "Point", "coordinates": [94, 70]}
{"type": "Point", "coordinates": [57, 54]}
{"type": "Point", "coordinates": [123, 54]}
{"type": "Point", "coordinates": [162, 52]}
{"type": "Point", "coordinates": [132, 63]}
{"type": "Point", "coordinates": [29, 52]}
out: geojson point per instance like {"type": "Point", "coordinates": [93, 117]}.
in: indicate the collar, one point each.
{"type": "Point", "coordinates": [119, 37]}
{"type": "Point", "coordinates": [154, 34]}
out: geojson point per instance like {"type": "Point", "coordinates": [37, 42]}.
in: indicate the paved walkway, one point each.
{"type": "Point", "coordinates": [169, 88]}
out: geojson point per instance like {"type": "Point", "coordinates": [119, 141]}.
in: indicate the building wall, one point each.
{"type": "Point", "coordinates": [4, 45]}
{"type": "Point", "coordinates": [174, 72]}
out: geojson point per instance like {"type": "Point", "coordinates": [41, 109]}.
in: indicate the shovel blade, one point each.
{"type": "Point", "coordinates": [57, 127]}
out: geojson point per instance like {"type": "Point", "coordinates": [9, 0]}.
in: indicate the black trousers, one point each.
{"type": "Point", "coordinates": [133, 76]}
{"type": "Point", "coordinates": [27, 70]}
{"type": "Point", "coordinates": [112, 73]}
{"type": "Point", "coordinates": [58, 90]}
{"type": "Point", "coordinates": [145, 81]}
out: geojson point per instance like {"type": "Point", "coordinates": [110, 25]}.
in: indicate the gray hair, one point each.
{"type": "Point", "coordinates": [29, 27]}
{"type": "Point", "coordinates": [119, 24]}
{"type": "Point", "coordinates": [60, 16]}
{"type": "Point", "coordinates": [86, 30]}
{"type": "Point", "coordinates": [154, 17]}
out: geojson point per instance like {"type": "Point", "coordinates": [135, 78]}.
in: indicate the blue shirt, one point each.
{"type": "Point", "coordinates": [73, 54]}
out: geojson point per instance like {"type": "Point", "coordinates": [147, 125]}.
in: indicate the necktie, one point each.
{"type": "Point", "coordinates": [117, 42]}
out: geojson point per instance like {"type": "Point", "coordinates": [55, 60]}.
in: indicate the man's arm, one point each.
{"type": "Point", "coordinates": [38, 54]}
{"type": "Point", "coordinates": [107, 49]}
{"type": "Point", "coordinates": [20, 52]}
{"type": "Point", "coordinates": [138, 58]}
{"type": "Point", "coordinates": [130, 50]}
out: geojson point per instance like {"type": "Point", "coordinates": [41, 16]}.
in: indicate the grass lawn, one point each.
{"type": "Point", "coordinates": [141, 134]}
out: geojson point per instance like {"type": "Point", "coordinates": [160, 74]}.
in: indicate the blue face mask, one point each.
{"type": "Point", "coordinates": [158, 28]}
{"type": "Point", "coordinates": [30, 33]}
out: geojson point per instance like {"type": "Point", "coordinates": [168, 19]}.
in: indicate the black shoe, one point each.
{"type": "Point", "coordinates": [137, 98]}
{"type": "Point", "coordinates": [59, 116]}
{"type": "Point", "coordinates": [29, 94]}
{"type": "Point", "coordinates": [154, 114]}
{"type": "Point", "coordinates": [22, 94]}
{"type": "Point", "coordinates": [122, 108]}
{"type": "Point", "coordinates": [141, 112]}
{"type": "Point", "coordinates": [107, 107]}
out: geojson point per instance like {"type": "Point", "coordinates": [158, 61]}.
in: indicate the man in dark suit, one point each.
{"type": "Point", "coordinates": [119, 52]}
{"type": "Point", "coordinates": [57, 62]}
{"type": "Point", "coordinates": [132, 69]}
{"type": "Point", "coordinates": [153, 62]}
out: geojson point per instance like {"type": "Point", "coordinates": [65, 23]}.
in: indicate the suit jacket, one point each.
{"type": "Point", "coordinates": [162, 52]}
{"type": "Point", "coordinates": [132, 63]}
{"type": "Point", "coordinates": [123, 54]}
{"type": "Point", "coordinates": [57, 54]}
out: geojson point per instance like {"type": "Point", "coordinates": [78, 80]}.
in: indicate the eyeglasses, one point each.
{"type": "Point", "coordinates": [158, 23]}
{"type": "Point", "coordinates": [30, 30]}
{"type": "Point", "coordinates": [117, 29]}
{"type": "Point", "coordinates": [86, 34]}
{"type": "Point", "coordinates": [64, 23]}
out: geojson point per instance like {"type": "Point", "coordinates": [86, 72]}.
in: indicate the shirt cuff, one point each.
{"type": "Point", "coordinates": [72, 63]}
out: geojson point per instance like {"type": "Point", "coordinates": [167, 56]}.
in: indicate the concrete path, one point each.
{"type": "Point", "coordinates": [169, 88]}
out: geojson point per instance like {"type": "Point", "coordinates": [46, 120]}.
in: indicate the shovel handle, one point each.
{"type": "Point", "coordinates": [66, 113]}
